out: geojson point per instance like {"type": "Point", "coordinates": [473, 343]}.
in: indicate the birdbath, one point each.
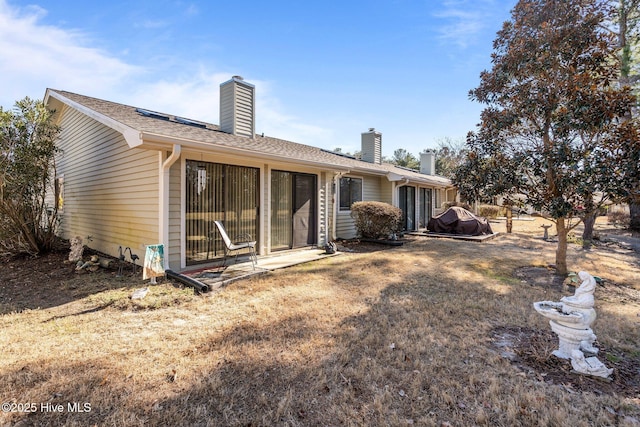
{"type": "Point", "coordinates": [546, 231]}
{"type": "Point", "coordinates": [571, 320]}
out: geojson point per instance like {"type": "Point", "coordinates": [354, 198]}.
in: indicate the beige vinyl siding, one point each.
{"type": "Point", "coordinates": [173, 252]}
{"type": "Point", "coordinates": [371, 188]}
{"type": "Point", "coordinates": [344, 227]}
{"type": "Point", "coordinates": [371, 191]}
{"type": "Point", "coordinates": [50, 195]}
{"type": "Point", "coordinates": [386, 191]}
{"type": "Point", "coordinates": [111, 191]}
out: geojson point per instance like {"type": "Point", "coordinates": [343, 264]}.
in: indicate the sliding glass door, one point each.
{"type": "Point", "coordinates": [408, 206]}
{"type": "Point", "coordinates": [293, 210]}
{"type": "Point", "coordinates": [281, 210]}
{"type": "Point", "coordinates": [424, 205]}
{"type": "Point", "coordinates": [218, 192]}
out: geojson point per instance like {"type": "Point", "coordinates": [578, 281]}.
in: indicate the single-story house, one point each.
{"type": "Point", "coordinates": [128, 176]}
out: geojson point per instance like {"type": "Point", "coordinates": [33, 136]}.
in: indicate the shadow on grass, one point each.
{"type": "Point", "coordinates": [416, 355]}
{"type": "Point", "coordinates": [80, 313]}
{"type": "Point", "coordinates": [419, 352]}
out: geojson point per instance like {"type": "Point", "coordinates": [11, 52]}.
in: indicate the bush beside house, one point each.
{"type": "Point", "coordinates": [491, 211]}
{"type": "Point", "coordinates": [376, 220]}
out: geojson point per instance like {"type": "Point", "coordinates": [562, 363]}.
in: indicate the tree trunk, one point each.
{"type": "Point", "coordinates": [587, 235]}
{"type": "Point", "coordinates": [626, 26]}
{"type": "Point", "coordinates": [561, 250]}
{"type": "Point", "coordinates": [509, 219]}
{"type": "Point", "coordinates": [634, 216]}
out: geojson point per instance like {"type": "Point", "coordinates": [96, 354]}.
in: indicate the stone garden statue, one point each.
{"type": "Point", "coordinates": [77, 249]}
{"type": "Point", "coordinates": [571, 320]}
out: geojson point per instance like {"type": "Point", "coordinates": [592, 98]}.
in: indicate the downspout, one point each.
{"type": "Point", "coordinates": [394, 194]}
{"type": "Point", "coordinates": [334, 214]}
{"type": "Point", "coordinates": [163, 220]}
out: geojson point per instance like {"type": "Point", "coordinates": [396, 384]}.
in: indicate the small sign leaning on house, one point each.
{"type": "Point", "coordinates": [153, 263]}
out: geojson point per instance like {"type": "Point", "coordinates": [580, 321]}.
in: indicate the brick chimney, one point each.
{"type": "Point", "coordinates": [372, 146]}
{"type": "Point", "coordinates": [237, 107]}
{"type": "Point", "coordinates": [428, 162]}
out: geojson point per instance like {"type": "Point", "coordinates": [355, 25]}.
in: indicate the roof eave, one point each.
{"type": "Point", "coordinates": [161, 142]}
{"type": "Point", "coordinates": [132, 136]}
{"type": "Point", "coordinates": [395, 177]}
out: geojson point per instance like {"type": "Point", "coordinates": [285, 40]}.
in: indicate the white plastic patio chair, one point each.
{"type": "Point", "coordinates": [243, 242]}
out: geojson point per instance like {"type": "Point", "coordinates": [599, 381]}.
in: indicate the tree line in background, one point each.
{"type": "Point", "coordinates": [449, 154]}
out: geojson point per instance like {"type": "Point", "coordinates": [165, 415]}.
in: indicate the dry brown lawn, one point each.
{"type": "Point", "coordinates": [437, 332]}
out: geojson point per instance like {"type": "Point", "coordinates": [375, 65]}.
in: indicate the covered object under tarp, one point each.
{"type": "Point", "coordinates": [457, 220]}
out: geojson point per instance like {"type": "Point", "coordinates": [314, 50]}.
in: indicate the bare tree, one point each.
{"type": "Point", "coordinates": [449, 155]}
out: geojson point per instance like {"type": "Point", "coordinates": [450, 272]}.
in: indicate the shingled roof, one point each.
{"type": "Point", "coordinates": [158, 125]}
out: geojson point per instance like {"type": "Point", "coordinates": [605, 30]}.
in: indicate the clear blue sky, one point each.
{"type": "Point", "coordinates": [325, 71]}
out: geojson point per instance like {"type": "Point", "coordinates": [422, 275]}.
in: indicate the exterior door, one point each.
{"type": "Point", "coordinates": [408, 206]}
{"type": "Point", "coordinates": [293, 210]}
{"type": "Point", "coordinates": [424, 205]}
{"type": "Point", "coordinates": [304, 210]}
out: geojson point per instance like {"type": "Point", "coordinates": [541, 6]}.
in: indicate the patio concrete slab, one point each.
{"type": "Point", "coordinates": [218, 277]}
{"type": "Point", "coordinates": [466, 237]}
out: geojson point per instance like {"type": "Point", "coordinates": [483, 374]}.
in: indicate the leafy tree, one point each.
{"type": "Point", "coordinates": [27, 152]}
{"type": "Point", "coordinates": [402, 157]}
{"type": "Point", "coordinates": [627, 31]}
{"type": "Point", "coordinates": [449, 155]}
{"type": "Point", "coordinates": [549, 131]}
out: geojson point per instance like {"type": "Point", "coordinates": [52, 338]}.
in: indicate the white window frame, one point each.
{"type": "Point", "coordinates": [340, 208]}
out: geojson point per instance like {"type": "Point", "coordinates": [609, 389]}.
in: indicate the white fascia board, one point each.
{"type": "Point", "coordinates": [367, 171]}
{"type": "Point", "coordinates": [157, 141]}
{"type": "Point", "coordinates": [131, 135]}
{"type": "Point", "coordinates": [394, 177]}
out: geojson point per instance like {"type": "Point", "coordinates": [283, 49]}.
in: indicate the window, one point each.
{"type": "Point", "coordinates": [350, 192]}
{"type": "Point", "coordinates": [223, 192]}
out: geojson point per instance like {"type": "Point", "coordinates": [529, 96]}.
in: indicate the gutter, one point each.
{"type": "Point", "coordinates": [163, 202]}
{"type": "Point", "coordinates": [394, 190]}
{"type": "Point", "coordinates": [394, 177]}
{"type": "Point", "coordinates": [162, 140]}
